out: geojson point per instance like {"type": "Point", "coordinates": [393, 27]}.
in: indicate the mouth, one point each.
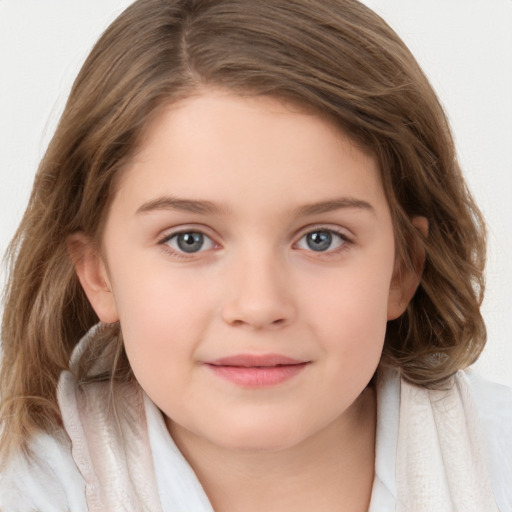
{"type": "Point", "coordinates": [250, 370]}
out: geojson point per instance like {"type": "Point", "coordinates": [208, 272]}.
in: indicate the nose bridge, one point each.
{"type": "Point", "coordinates": [258, 292]}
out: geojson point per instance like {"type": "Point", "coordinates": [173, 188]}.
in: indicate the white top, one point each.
{"type": "Point", "coordinates": [54, 484]}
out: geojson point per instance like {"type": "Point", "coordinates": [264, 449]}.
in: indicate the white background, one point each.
{"type": "Point", "coordinates": [465, 46]}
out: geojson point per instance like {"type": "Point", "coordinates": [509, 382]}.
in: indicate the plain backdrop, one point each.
{"type": "Point", "coordinates": [465, 47]}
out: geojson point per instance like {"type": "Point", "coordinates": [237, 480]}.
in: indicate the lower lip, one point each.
{"type": "Point", "coordinates": [258, 376]}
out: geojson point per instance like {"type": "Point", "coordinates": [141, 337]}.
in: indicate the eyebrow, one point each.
{"type": "Point", "coordinates": [204, 207]}
{"type": "Point", "coordinates": [182, 205]}
{"type": "Point", "coordinates": [334, 204]}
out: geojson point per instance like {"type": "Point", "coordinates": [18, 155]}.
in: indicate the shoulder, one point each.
{"type": "Point", "coordinates": [493, 401]}
{"type": "Point", "coordinates": [48, 481]}
{"type": "Point", "coordinates": [486, 402]}
{"type": "Point", "coordinates": [494, 406]}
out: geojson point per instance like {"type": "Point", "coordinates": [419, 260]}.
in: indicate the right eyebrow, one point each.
{"type": "Point", "coordinates": [201, 207]}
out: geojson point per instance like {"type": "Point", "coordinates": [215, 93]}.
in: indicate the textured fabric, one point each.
{"type": "Point", "coordinates": [110, 451]}
{"type": "Point", "coordinates": [441, 465]}
{"type": "Point", "coordinates": [110, 446]}
{"type": "Point", "coordinates": [494, 410]}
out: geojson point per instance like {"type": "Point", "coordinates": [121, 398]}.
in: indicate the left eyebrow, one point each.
{"type": "Point", "coordinates": [334, 204]}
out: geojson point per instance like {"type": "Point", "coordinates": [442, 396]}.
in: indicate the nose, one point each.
{"type": "Point", "coordinates": [259, 294]}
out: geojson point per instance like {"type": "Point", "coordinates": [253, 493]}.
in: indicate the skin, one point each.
{"type": "Point", "coordinates": [255, 176]}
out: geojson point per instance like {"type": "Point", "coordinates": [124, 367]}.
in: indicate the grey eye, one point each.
{"type": "Point", "coordinates": [190, 242]}
{"type": "Point", "coordinates": [321, 240]}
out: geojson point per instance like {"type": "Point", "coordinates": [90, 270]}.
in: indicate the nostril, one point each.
{"type": "Point", "coordinates": [258, 323]}
{"type": "Point", "coordinates": [257, 308]}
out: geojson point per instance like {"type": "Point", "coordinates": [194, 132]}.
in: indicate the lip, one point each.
{"type": "Point", "coordinates": [251, 370]}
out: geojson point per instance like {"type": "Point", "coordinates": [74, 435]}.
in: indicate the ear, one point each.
{"type": "Point", "coordinates": [405, 281]}
{"type": "Point", "coordinates": [92, 273]}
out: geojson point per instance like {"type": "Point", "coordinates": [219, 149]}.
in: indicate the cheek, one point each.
{"type": "Point", "coordinates": [350, 311]}
{"type": "Point", "coordinates": [163, 313]}
{"type": "Point", "coordinates": [151, 292]}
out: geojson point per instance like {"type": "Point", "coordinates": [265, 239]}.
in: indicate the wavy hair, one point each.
{"type": "Point", "coordinates": [336, 57]}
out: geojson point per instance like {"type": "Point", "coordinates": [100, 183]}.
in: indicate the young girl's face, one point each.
{"type": "Point", "coordinates": [249, 257]}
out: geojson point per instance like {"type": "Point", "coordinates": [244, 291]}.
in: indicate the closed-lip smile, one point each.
{"type": "Point", "coordinates": [257, 370]}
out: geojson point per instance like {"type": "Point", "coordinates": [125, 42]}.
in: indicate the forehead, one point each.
{"type": "Point", "coordinates": [241, 150]}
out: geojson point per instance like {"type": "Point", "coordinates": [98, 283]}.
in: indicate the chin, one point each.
{"type": "Point", "coordinates": [267, 438]}
{"type": "Point", "coordinates": [260, 445]}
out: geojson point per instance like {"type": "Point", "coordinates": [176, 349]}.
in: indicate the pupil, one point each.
{"type": "Point", "coordinates": [190, 242]}
{"type": "Point", "coordinates": [319, 240]}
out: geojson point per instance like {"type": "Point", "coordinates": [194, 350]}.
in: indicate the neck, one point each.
{"type": "Point", "coordinates": [330, 471]}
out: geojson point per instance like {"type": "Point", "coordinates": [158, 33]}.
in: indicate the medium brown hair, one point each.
{"type": "Point", "coordinates": [335, 56]}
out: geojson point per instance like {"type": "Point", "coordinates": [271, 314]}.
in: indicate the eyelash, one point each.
{"type": "Point", "coordinates": [163, 242]}
{"type": "Point", "coordinates": [345, 244]}
{"type": "Point", "coordinates": [346, 241]}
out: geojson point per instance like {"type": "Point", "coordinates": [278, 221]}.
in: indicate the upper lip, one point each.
{"type": "Point", "coordinates": [256, 360]}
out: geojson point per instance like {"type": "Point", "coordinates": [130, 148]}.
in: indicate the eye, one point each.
{"type": "Point", "coordinates": [321, 240]}
{"type": "Point", "coordinates": [189, 242]}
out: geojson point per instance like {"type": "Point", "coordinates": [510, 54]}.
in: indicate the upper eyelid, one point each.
{"type": "Point", "coordinates": [339, 230]}
{"type": "Point", "coordinates": [346, 239]}
{"type": "Point", "coordinates": [168, 233]}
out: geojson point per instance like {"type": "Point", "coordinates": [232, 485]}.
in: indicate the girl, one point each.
{"type": "Point", "coordinates": [248, 278]}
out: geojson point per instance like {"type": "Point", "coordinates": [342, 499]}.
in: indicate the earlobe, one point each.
{"type": "Point", "coordinates": [406, 280]}
{"type": "Point", "coordinates": [92, 273]}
